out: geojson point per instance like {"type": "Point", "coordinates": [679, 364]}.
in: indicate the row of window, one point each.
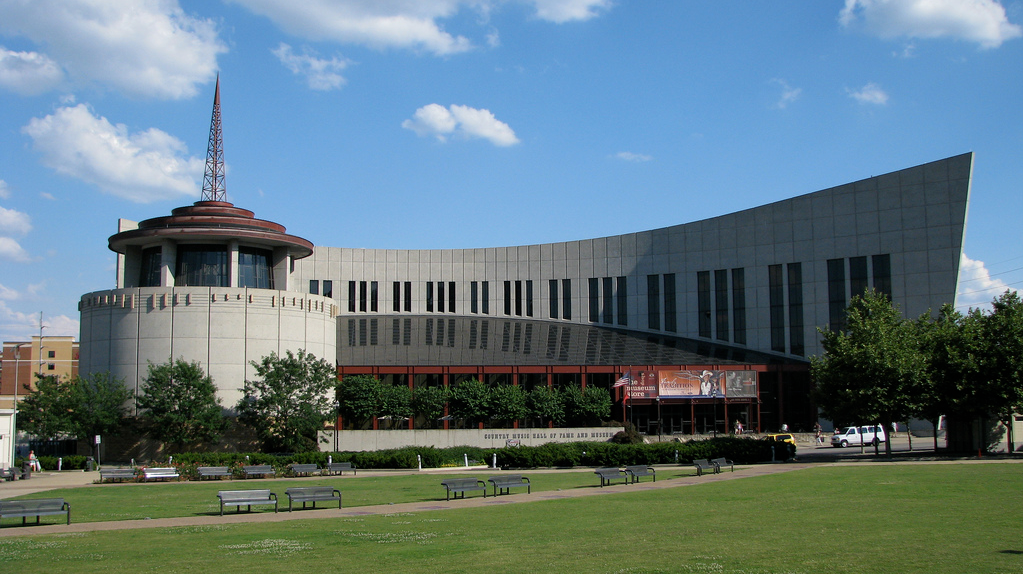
{"type": "Point", "coordinates": [857, 283]}
{"type": "Point", "coordinates": [715, 307]}
{"type": "Point", "coordinates": [207, 266]}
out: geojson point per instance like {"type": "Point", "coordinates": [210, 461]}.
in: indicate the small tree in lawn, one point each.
{"type": "Point", "coordinates": [546, 404]}
{"type": "Point", "coordinates": [81, 407]}
{"type": "Point", "coordinates": [509, 403]}
{"type": "Point", "coordinates": [1002, 333]}
{"type": "Point", "coordinates": [179, 404]}
{"type": "Point", "coordinates": [290, 401]}
{"type": "Point", "coordinates": [585, 407]}
{"type": "Point", "coordinates": [48, 411]}
{"type": "Point", "coordinates": [873, 372]}
{"type": "Point", "coordinates": [358, 398]}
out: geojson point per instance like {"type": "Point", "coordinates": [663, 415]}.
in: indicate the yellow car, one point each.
{"type": "Point", "coordinates": [781, 437]}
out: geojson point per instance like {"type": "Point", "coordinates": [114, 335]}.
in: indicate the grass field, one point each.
{"type": "Point", "coordinates": [864, 518]}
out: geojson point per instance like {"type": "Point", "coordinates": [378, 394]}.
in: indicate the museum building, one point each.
{"type": "Point", "coordinates": [691, 327]}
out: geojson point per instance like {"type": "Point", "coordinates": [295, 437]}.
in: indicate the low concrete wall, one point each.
{"type": "Point", "coordinates": [485, 438]}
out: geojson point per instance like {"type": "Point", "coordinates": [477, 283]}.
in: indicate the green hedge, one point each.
{"type": "Point", "coordinates": [739, 450]}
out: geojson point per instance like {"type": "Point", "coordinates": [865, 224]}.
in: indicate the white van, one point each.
{"type": "Point", "coordinates": [856, 436]}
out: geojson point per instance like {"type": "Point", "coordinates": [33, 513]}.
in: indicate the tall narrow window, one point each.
{"type": "Point", "coordinates": [254, 269]}
{"type": "Point", "coordinates": [796, 346]}
{"type": "Point", "coordinates": [429, 296]}
{"type": "Point", "coordinates": [451, 296]}
{"type": "Point", "coordinates": [396, 298]}
{"type": "Point", "coordinates": [440, 296]}
{"type": "Point", "coordinates": [201, 266]}
{"type": "Point", "coordinates": [507, 298]}
{"type": "Point", "coordinates": [529, 298]}
{"type": "Point", "coordinates": [485, 296]}
{"type": "Point", "coordinates": [623, 301]}
{"type": "Point", "coordinates": [670, 304]}
{"type": "Point", "coordinates": [152, 261]}
{"type": "Point", "coordinates": [883, 274]}
{"type": "Point", "coordinates": [857, 276]}
{"type": "Point", "coordinates": [374, 297]}
{"type": "Point", "coordinates": [351, 296]}
{"type": "Point", "coordinates": [836, 294]}
{"type": "Point", "coordinates": [314, 287]}
{"type": "Point", "coordinates": [518, 298]}
{"type": "Point", "coordinates": [362, 296]}
{"type": "Point", "coordinates": [739, 306]}
{"type": "Point", "coordinates": [594, 299]}
{"type": "Point", "coordinates": [653, 302]}
{"type": "Point", "coordinates": [776, 295]}
{"type": "Point", "coordinates": [408, 296]}
{"type": "Point", "coordinates": [552, 288]}
{"type": "Point", "coordinates": [608, 301]}
{"type": "Point", "coordinates": [566, 298]}
{"type": "Point", "coordinates": [328, 288]}
{"type": "Point", "coordinates": [474, 295]}
{"type": "Point", "coordinates": [721, 303]}
{"type": "Point", "coordinates": [703, 302]}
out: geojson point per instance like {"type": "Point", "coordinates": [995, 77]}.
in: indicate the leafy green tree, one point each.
{"type": "Point", "coordinates": [428, 403]}
{"type": "Point", "coordinates": [48, 410]}
{"type": "Point", "coordinates": [101, 404]}
{"type": "Point", "coordinates": [874, 370]}
{"type": "Point", "coordinates": [1002, 333]}
{"type": "Point", "coordinates": [179, 404]}
{"type": "Point", "coordinates": [358, 398]}
{"type": "Point", "coordinates": [586, 407]}
{"type": "Point", "coordinates": [290, 401]}
{"type": "Point", "coordinates": [471, 400]}
{"type": "Point", "coordinates": [396, 402]}
{"type": "Point", "coordinates": [508, 403]}
{"type": "Point", "coordinates": [545, 404]}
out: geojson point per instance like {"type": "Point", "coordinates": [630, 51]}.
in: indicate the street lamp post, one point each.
{"type": "Point", "coordinates": [14, 417]}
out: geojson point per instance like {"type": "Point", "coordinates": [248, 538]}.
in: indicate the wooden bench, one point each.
{"type": "Point", "coordinates": [247, 498]}
{"type": "Point", "coordinates": [36, 507]}
{"type": "Point", "coordinates": [723, 462]}
{"type": "Point", "coordinates": [305, 469]}
{"type": "Point", "coordinates": [703, 464]}
{"type": "Point", "coordinates": [340, 468]}
{"type": "Point", "coordinates": [116, 474]}
{"type": "Point", "coordinates": [638, 470]}
{"type": "Point", "coordinates": [213, 472]}
{"type": "Point", "coordinates": [609, 474]}
{"type": "Point", "coordinates": [260, 469]}
{"type": "Point", "coordinates": [463, 485]}
{"type": "Point", "coordinates": [159, 473]}
{"type": "Point", "coordinates": [312, 494]}
{"type": "Point", "coordinates": [505, 482]}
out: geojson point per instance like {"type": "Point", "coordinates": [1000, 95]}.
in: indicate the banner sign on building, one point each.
{"type": "Point", "coordinates": [643, 385]}
{"type": "Point", "coordinates": [700, 384]}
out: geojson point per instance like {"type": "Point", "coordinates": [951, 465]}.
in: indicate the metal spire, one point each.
{"type": "Point", "coordinates": [213, 188]}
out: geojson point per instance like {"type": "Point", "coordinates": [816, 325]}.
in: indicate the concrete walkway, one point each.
{"type": "Point", "coordinates": [44, 481]}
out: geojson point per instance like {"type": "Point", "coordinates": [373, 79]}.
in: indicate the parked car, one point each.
{"type": "Point", "coordinates": [856, 436]}
{"type": "Point", "coordinates": [781, 437]}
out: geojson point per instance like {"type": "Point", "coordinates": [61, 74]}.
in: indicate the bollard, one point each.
{"type": "Point", "coordinates": [495, 460]}
{"type": "Point", "coordinates": [419, 459]}
{"type": "Point", "coordinates": [772, 453]}
{"type": "Point", "coordinates": [60, 463]}
{"type": "Point", "coordinates": [330, 459]}
{"type": "Point", "coordinates": [466, 457]}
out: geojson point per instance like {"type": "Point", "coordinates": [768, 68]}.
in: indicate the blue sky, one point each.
{"type": "Point", "coordinates": [472, 123]}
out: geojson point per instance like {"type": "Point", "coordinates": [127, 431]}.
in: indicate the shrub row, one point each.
{"type": "Point", "coordinates": [71, 462]}
{"type": "Point", "coordinates": [739, 450]}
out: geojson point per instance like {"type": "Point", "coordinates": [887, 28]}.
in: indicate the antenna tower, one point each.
{"type": "Point", "coordinates": [213, 188]}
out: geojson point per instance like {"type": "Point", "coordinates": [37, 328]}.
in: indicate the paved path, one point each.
{"type": "Point", "coordinates": [47, 481]}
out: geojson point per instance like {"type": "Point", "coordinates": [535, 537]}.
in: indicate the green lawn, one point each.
{"type": "Point", "coordinates": [856, 519]}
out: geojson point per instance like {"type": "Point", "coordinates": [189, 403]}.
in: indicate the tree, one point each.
{"type": "Point", "coordinates": [396, 402]}
{"type": "Point", "coordinates": [81, 407]}
{"type": "Point", "coordinates": [873, 371]}
{"type": "Point", "coordinates": [1002, 333]}
{"type": "Point", "coordinates": [508, 403]}
{"type": "Point", "coordinates": [179, 404]}
{"type": "Point", "coordinates": [586, 407]}
{"type": "Point", "coordinates": [428, 402]}
{"type": "Point", "coordinates": [470, 400]}
{"type": "Point", "coordinates": [546, 405]}
{"type": "Point", "coordinates": [358, 398]}
{"type": "Point", "coordinates": [290, 401]}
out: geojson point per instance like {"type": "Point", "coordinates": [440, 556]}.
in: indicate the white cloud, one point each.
{"type": "Point", "coordinates": [788, 93]}
{"type": "Point", "coordinates": [28, 73]}
{"type": "Point", "coordinates": [561, 11]}
{"type": "Point", "coordinates": [5, 190]}
{"type": "Point", "coordinates": [869, 94]}
{"type": "Point", "coordinates": [980, 21]}
{"type": "Point", "coordinates": [634, 157]}
{"type": "Point", "coordinates": [977, 288]}
{"type": "Point", "coordinates": [14, 222]}
{"type": "Point", "coordinates": [11, 250]}
{"type": "Point", "coordinates": [402, 24]}
{"type": "Point", "coordinates": [142, 167]}
{"type": "Point", "coordinates": [320, 74]}
{"type": "Point", "coordinates": [440, 122]}
{"type": "Point", "coordinates": [144, 48]}
{"type": "Point", "coordinates": [18, 326]}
